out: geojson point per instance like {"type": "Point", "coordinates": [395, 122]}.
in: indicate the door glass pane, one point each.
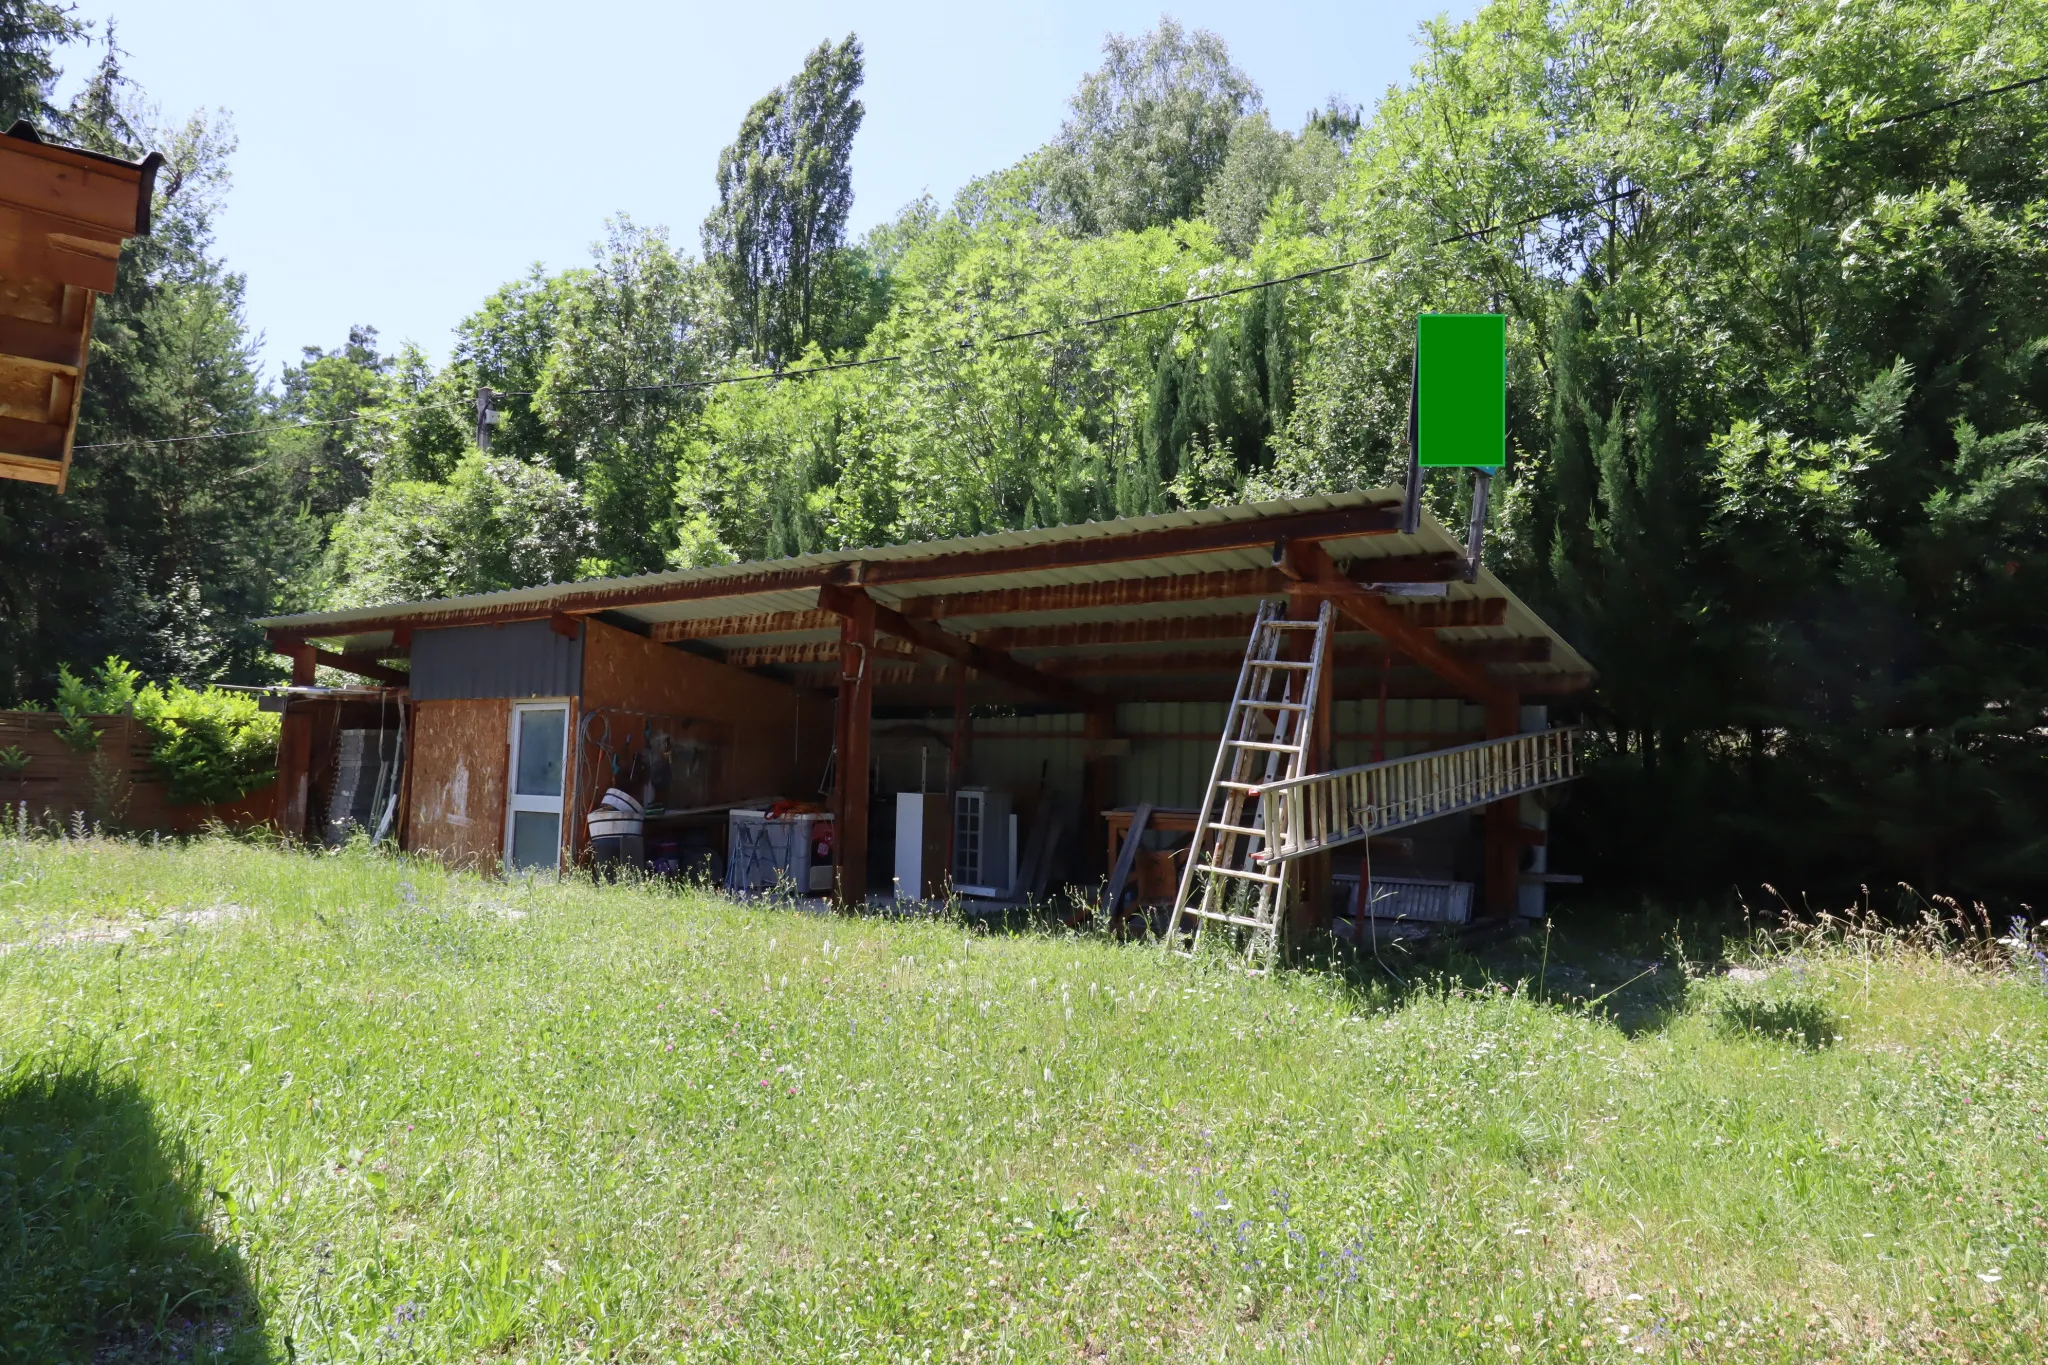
{"type": "Point", "coordinates": [541, 735]}
{"type": "Point", "coordinates": [536, 839]}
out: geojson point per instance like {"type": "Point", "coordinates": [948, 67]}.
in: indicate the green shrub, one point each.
{"type": "Point", "coordinates": [13, 760]}
{"type": "Point", "coordinates": [109, 692]}
{"type": "Point", "coordinates": [1787, 1004]}
{"type": "Point", "coordinates": [211, 745]}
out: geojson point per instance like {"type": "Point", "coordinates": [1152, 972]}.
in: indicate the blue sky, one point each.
{"type": "Point", "coordinates": [399, 161]}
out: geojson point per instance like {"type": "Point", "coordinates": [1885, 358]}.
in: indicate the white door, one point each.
{"type": "Point", "coordinates": [533, 808]}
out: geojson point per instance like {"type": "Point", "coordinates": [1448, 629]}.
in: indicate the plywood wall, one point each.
{"type": "Point", "coordinates": [773, 739]}
{"type": "Point", "coordinates": [459, 757]}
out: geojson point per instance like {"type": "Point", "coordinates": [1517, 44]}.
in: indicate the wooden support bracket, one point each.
{"type": "Point", "coordinates": [982, 659]}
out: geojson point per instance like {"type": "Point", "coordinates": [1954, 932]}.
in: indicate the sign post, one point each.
{"type": "Point", "coordinates": [1458, 411]}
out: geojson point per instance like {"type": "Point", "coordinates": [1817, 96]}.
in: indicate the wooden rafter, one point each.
{"type": "Point", "coordinates": [1158, 590]}
{"type": "Point", "coordinates": [807, 652]}
{"type": "Point", "coordinates": [1310, 567]}
{"type": "Point", "coordinates": [1427, 615]}
{"type": "Point", "coordinates": [1086, 634]}
{"type": "Point", "coordinates": [762, 623]}
{"type": "Point", "coordinates": [1469, 653]}
{"type": "Point", "coordinates": [992, 662]}
{"type": "Point", "coordinates": [363, 666]}
{"type": "Point", "coordinates": [1164, 589]}
{"type": "Point", "coordinates": [304, 655]}
{"type": "Point", "coordinates": [1100, 550]}
{"type": "Point", "coordinates": [1124, 546]}
{"type": "Point", "coordinates": [931, 684]}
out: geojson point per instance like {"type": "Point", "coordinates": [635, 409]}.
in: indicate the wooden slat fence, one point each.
{"type": "Point", "coordinates": [128, 794]}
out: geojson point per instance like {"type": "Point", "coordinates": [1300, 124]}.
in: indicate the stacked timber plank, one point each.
{"type": "Point", "coordinates": [64, 214]}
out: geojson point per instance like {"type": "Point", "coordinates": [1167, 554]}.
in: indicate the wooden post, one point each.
{"type": "Point", "coordinates": [295, 748]}
{"type": "Point", "coordinates": [956, 759]}
{"type": "Point", "coordinates": [1311, 908]}
{"type": "Point", "coordinates": [1503, 820]}
{"type": "Point", "coordinates": [850, 731]}
{"type": "Point", "coordinates": [1098, 791]}
{"type": "Point", "coordinates": [963, 731]}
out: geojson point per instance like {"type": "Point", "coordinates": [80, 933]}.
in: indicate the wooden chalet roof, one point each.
{"type": "Point", "coordinates": [64, 213]}
{"type": "Point", "coordinates": [1156, 608]}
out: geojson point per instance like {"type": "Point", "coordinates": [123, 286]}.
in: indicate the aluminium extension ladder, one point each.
{"type": "Point", "coordinates": [1228, 880]}
{"type": "Point", "coordinates": [1322, 811]}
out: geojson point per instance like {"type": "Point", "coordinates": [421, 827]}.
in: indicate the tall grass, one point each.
{"type": "Point", "coordinates": [395, 1113]}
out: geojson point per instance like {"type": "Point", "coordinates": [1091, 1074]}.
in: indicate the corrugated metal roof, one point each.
{"type": "Point", "coordinates": [736, 594]}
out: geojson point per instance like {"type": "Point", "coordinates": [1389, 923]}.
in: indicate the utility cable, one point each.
{"type": "Point", "coordinates": [1962, 100]}
{"type": "Point", "coordinates": [972, 344]}
{"type": "Point", "coordinates": [968, 344]}
{"type": "Point", "coordinates": [271, 429]}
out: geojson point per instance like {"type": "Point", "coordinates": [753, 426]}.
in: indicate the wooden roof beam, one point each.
{"type": "Point", "coordinates": [1125, 546]}
{"type": "Point", "coordinates": [807, 652]}
{"type": "Point", "coordinates": [1094, 551]}
{"type": "Point", "coordinates": [1426, 614]}
{"type": "Point", "coordinates": [362, 665]}
{"type": "Point", "coordinates": [1472, 653]}
{"type": "Point", "coordinates": [992, 662]}
{"type": "Point", "coordinates": [761, 623]}
{"type": "Point", "coordinates": [1312, 571]}
{"type": "Point", "coordinates": [1164, 589]}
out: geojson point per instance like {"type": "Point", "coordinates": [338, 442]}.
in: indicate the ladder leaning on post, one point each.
{"type": "Point", "coordinates": [1229, 880]}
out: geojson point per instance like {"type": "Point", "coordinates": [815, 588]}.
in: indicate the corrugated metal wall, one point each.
{"type": "Point", "coordinates": [1173, 744]}
{"type": "Point", "coordinates": [522, 659]}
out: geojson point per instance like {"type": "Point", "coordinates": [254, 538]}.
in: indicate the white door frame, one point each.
{"type": "Point", "coordinates": [514, 802]}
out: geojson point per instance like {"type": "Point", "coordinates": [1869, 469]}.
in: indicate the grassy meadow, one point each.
{"type": "Point", "coordinates": [265, 1105]}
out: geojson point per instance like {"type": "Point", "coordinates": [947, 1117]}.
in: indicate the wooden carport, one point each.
{"type": "Point", "coordinates": [1074, 619]}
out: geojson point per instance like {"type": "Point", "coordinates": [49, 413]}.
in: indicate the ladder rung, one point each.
{"type": "Point", "coordinates": [1241, 786]}
{"type": "Point", "coordinates": [1275, 705]}
{"type": "Point", "coordinates": [1262, 744]}
{"type": "Point", "coordinates": [1236, 829]}
{"type": "Point", "coordinates": [1236, 872]}
{"type": "Point", "coordinates": [1246, 920]}
{"type": "Point", "coordinates": [1293, 625]}
{"type": "Point", "coordinates": [1279, 663]}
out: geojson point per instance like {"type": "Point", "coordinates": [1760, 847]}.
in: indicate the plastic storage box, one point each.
{"type": "Point", "coordinates": [765, 854]}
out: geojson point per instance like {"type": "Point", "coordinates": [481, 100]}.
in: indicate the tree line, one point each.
{"type": "Point", "coordinates": [1778, 375]}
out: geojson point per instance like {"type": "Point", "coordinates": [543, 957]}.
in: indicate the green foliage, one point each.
{"type": "Point", "coordinates": [30, 35]}
{"type": "Point", "coordinates": [640, 316]}
{"type": "Point", "coordinates": [109, 691]}
{"type": "Point", "coordinates": [496, 523]}
{"type": "Point", "coordinates": [1263, 165]}
{"type": "Point", "coordinates": [211, 745]}
{"type": "Point", "coordinates": [14, 760]}
{"type": "Point", "coordinates": [785, 187]}
{"type": "Point", "coordinates": [1148, 131]}
{"type": "Point", "coordinates": [1790, 1004]}
{"type": "Point", "coordinates": [329, 461]}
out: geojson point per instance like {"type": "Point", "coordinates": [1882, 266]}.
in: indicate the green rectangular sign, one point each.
{"type": "Point", "coordinates": [1461, 390]}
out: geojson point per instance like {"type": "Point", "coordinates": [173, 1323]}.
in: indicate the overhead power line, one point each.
{"type": "Point", "coordinates": [973, 343]}
{"type": "Point", "coordinates": [968, 344]}
{"type": "Point", "coordinates": [1962, 100]}
{"type": "Point", "coordinates": [273, 428]}
{"type": "Point", "coordinates": [1577, 206]}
